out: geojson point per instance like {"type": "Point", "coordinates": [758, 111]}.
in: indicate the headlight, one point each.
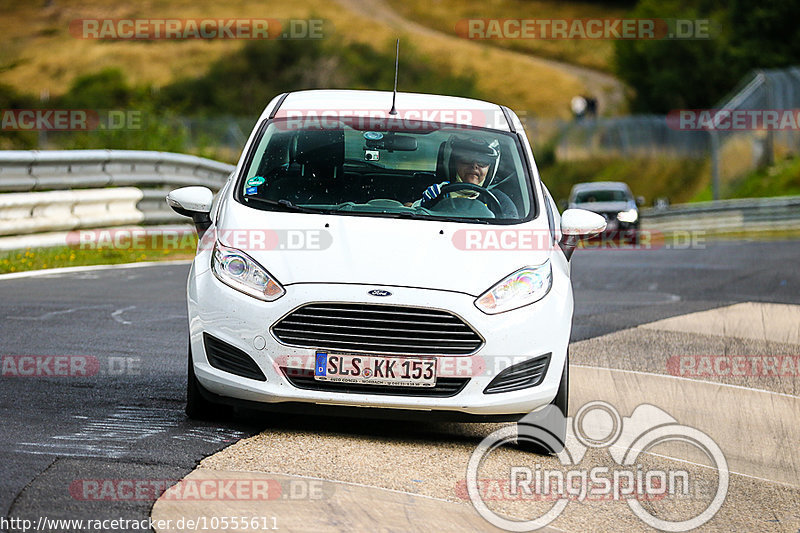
{"type": "Point", "coordinates": [523, 287]}
{"type": "Point", "coordinates": [241, 272]}
{"type": "Point", "coordinates": [628, 216]}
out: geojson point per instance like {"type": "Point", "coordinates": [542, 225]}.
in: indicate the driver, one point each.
{"type": "Point", "coordinates": [473, 159]}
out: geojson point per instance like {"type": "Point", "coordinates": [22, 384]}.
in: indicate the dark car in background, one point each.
{"type": "Point", "coordinates": [615, 202]}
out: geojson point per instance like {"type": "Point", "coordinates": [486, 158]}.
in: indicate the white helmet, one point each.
{"type": "Point", "coordinates": [476, 148]}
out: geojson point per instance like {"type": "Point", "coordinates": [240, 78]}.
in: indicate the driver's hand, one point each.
{"type": "Point", "coordinates": [432, 192]}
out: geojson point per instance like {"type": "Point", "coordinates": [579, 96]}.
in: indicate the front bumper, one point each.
{"type": "Point", "coordinates": [245, 322]}
{"type": "Point", "coordinates": [615, 225]}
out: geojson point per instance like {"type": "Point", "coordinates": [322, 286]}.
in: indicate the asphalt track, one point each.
{"type": "Point", "coordinates": [126, 421]}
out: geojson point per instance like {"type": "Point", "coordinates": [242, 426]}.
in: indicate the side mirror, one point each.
{"type": "Point", "coordinates": [193, 202]}
{"type": "Point", "coordinates": [640, 201]}
{"type": "Point", "coordinates": [576, 223]}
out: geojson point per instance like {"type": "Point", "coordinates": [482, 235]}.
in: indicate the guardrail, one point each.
{"type": "Point", "coordinates": [46, 191]}
{"type": "Point", "coordinates": [51, 191]}
{"type": "Point", "coordinates": [34, 212]}
{"type": "Point", "coordinates": [727, 216]}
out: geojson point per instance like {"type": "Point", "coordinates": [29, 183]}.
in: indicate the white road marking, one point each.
{"type": "Point", "coordinates": [54, 313]}
{"type": "Point", "coordinates": [55, 272]}
{"type": "Point", "coordinates": [353, 483]}
{"type": "Point", "coordinates": [117, 315]}
{"type": "Point", "coordinates": [670, 376]}
{"type": "Point", "coordinates": [211, 435]}
{"type": "Point", "coordinates": [113, 435]}
{"type": "Point", "coordinates": [747, 320]}
{"type": "Point", "coordinates": [745, 410]}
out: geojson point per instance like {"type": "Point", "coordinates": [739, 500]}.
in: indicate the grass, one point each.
{"type": "Point", "coordinates": [64, 256]}
{"type": "Point", "coordinates": [443, 15]}
{"type": "Point", "coordinates": [780, 179]}
{"type": "Point", "coordinates": [676, 179]}
{"type": "Point", "coordinates": [39, 55]}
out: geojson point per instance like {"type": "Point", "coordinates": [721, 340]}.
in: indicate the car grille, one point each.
{"type": "Point", "coordinates": [225, 357]}
{"type": "Point", "coordinates": [377, 329]}
{"type": "Point", "coordinates": [304, 379]}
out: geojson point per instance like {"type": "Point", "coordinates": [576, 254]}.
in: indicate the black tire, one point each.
{"type": "Point", "coordinates": [562, 396]}
{"type": "Point", "coordinates": [197, 406]}
{"type": "Point", "coordinates": [553, 423]}
{"type": "Point", "coordinates": [635, 239]}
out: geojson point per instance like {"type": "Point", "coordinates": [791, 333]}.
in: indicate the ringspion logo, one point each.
{"type": "Point", "coordinates": [630, 479]}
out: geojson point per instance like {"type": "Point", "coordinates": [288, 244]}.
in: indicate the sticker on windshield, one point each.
{"type": "Point", "coordinates": [251, 190]}
{"type": "Point", "coordinates": [255, 181]}
{"type": "Point", "coordinates": [373, 135]}
{"type": "Point", "coordinates": [372, 155]}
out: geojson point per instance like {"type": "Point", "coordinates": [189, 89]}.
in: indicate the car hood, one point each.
{"type": "Point", "coordinates": [306, 248]}
{"type": "Point", "coordinates": [603, 207]}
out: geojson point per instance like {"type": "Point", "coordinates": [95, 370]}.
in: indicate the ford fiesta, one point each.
{"type": "Point", "coordinates": [384, 259]}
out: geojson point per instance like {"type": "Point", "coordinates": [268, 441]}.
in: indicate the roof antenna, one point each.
{"type": "Point", "coordinates": [396, 62]}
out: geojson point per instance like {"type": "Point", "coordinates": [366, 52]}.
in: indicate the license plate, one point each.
{"type": "Point", "coordinates": [375, 370]}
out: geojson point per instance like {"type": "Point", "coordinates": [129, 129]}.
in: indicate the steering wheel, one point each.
{"type": "Point", "coordinates": [484, 195]}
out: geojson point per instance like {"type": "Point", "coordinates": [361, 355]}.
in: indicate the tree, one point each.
{"type": "Point", "coordinates": [675, 74]}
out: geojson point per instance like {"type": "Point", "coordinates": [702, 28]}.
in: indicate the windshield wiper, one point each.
{"type": "Point", "coordinates": [285, 204]}
{"type": "Point", "coordinates": [414, 216]}
{"type": "Point", "coordinates": [418, 216]}
{"type": "Point", "coordinates": [289, 206]}
{"type": "Point", "coordinates": [462, 220]}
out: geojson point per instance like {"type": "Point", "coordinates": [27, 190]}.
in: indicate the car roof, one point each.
{"type": "Point", "coordinates": [600, 186]}
{"type": "Point", "coordinates": [409, 106]}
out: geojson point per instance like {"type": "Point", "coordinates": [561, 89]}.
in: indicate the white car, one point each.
{"type": "Point", "coordinates": [365, 262]}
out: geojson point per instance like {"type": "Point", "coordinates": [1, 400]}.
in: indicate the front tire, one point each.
{"type": "Point", "coordinates": [562, 396]}
{"type": "Point", "coordinates": [552, 423]}
{"type": "Point", "coordinates": [197, 406]}
{"type": "Point", "coordinates": [635, 236]}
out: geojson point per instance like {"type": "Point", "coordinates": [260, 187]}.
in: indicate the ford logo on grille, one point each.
{"type": "Point", "coordinates": [379, 292]}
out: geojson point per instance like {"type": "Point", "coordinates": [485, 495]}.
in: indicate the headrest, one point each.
{"type": "Point", "coordinates": [322, 151]}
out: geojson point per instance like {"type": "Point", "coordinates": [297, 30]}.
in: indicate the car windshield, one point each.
{"type": "Point", "coordinates": [345, 168]}
{"type": "Point", "coordinates": [604, 195]}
